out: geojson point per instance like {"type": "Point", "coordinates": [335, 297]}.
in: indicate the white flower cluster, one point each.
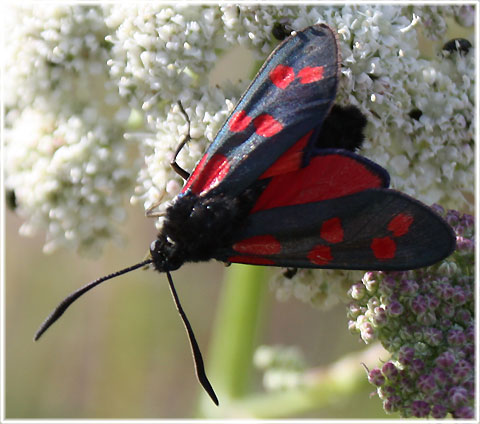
{"type": "Point", "coordinates": [85, 63]}
{"type": "Point", "coordinates": [251, 26]}
{"type": "Point", "coordinates": [68, 177]}
{"type": "Point", "coordinates": [283, 366]}
{"type": "Point", "coordinates": [161, 55]}
{"type": "Point", "coordinates": [323, 289]}
{"type": "Point", "coordinates": [429, 156]}
{"type": "Point", "coordinates": [157, 180]}
{"type": "Point", "coordinates": [65, 157]}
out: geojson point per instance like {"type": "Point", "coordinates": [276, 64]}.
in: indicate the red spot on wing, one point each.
{"type": "Point", "coordinates": [310, 74]}
{"type": "Point", "coordinates": [320, 255]}
{"type": "Point", "coordinates": [208, 174]}
{"type": "Point", "coordinates": [400, 224]}
{"type": "Point", "coordinates": [326, 177]}
{"type": "Point", "coordinates": [252, 260]}
{"type": "Point", "coordinates": [383, 248]}
{"type": "Point", "coordinates": [266, 125]}
{"type": "Point", "coordinates": [258, 245]}
{"type": "Point", "coordinates": [290, 161]}
{"type": "Point", "coordinates": [282, 76]}
{"type": "Point", "coordinates": [332, 230]}
{"type": "Point", "coordinates": [239, 121]}
{"type": "Point", "coordinates": [195, 174]}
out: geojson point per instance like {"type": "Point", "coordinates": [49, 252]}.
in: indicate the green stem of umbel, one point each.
{"type": "Point", "coordinates": [239, 316]}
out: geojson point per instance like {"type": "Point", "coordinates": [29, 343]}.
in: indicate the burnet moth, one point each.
{"type": "Point", "coordinates": [281, 185]}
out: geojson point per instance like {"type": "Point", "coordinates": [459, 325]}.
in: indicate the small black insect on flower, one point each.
{"type": "Point", "coordinates": [460, 45]}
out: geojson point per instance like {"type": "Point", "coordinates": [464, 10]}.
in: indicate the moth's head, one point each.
{"type": "Point", "coordinates": [165, 254]}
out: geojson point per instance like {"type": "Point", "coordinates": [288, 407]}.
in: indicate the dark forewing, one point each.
{"type": "Point", "coordinates": [375, 229]}
{"type": "Point", "coordinates": [291, 95]}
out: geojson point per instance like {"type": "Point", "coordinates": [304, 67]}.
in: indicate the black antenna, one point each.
{"type": "Point", "coordinates": [65, 303]}
{"type": "Point", "coordinates": [197, 355]}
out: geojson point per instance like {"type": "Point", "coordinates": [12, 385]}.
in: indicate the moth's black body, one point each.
{"type": "Point", "coordinates": [195, 227]}
{"type": "Point", "coordinates": [342, 129]}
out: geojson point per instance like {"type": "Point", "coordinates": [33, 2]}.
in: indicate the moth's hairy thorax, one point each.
{"type": "Point", "coordinates": [200, 224]}
{"type": "Point", "coordinates": [195, 226]}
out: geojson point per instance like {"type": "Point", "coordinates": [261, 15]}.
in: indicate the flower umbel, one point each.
{"type": "Point", "coordinates": [89, 62]}
{"type": "Point", "coordinates": [66, 159]}
{"type": "Point", "coordinates": [425, 319]}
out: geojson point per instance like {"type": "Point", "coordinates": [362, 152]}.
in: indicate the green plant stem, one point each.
{"type": "Point", "coordinates": [322, 387]}
{"type": "Point", "coordinates": [240, 310]}
{"type": "Point", "coordinates": [229, 366]}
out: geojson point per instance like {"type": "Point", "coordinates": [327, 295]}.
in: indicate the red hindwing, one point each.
{"type": "Point", "coordinates": [329, 175]}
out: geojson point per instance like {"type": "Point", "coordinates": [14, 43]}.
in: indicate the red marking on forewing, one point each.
{"type": "Point", "coordinates": [290, 161]}
{"type": "Point", "coordinates": [266, 125]}
{"type": "Point", "coordinates": [325, 177]}
{"type": "Point", "coordinates": [400, 224]}
{"type": "Point", "coordinates": [258, 245]}
{"type": "Point", "coordinates": [308, 74]}
{"type": "Point", "coordinates": [252, 260]}
{"type": "Point", "coordinates": [239, 121]}
{"type": "Point", "coordinates": [332, 230]}
{"type": "Point", "coordinates": [383, 248]}
{"type": "Point", "coordinates": [282, 76]}
{"type": "Point", "coordinates": [320, 255]}
{"type": "Point", "coordinates": [195, 173]}
{"type": "Point", "coordinates": [208, 175]}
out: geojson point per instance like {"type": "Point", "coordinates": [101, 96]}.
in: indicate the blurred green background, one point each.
{"type": "Point", "coordinates": [122, 352]}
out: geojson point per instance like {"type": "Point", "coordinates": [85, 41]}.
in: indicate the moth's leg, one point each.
{"type": "Point", "coordinates": [176, 167]}
{"type": "Point", "coordinates": [290, 273]}
{"type": "Point", "coordinates": [151, 212]}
